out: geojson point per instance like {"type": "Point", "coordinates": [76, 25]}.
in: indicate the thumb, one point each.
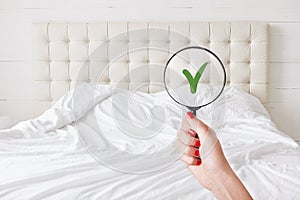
{"type": "Point", "coordinates": [197, 125]}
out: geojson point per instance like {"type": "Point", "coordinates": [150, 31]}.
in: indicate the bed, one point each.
{"type": "Point", "coordinates": [85, 75]}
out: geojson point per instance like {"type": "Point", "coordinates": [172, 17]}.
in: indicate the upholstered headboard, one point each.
{"type": "Point", "coordinates": [68, 53]}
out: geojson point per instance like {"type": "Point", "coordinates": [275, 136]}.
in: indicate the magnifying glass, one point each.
{"type": "Point", "coordinates": [194, 77]}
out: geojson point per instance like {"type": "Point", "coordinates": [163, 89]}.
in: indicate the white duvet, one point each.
{"type": "Point", "coordinates": [100, 143]}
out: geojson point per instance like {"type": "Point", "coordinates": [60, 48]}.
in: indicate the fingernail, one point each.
{"type": "Point", "coordinates": [198, 162]}
{"type": "Point", "coordinates": [197, 143]}
{"type": "Point", "coordinates": [192, 132]}
{"type": "Point", "coordinates": [191, 116]}
{"type": "Point", "coordinates": [197, 153]}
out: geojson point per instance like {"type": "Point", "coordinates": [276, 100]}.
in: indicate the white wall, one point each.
{"type": "Point", "coordinates": [16, 17]}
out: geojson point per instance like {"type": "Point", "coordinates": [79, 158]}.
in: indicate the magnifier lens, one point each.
{"type": "Point", "coordinates": [194, 77]}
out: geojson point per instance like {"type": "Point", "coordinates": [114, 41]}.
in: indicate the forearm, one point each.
{"type": "Point", "coordinates": [230, 187]}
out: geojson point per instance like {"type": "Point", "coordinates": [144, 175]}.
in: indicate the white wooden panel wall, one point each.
{"type": "Point", "coordinates": [16, 17]}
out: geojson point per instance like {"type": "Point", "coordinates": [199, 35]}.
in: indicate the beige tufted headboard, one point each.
{"type": "Point", "coordinates": [68, 53]}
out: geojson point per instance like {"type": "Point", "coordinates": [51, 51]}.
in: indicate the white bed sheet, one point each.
{"type": "Point", "coordinates": [44, 158]}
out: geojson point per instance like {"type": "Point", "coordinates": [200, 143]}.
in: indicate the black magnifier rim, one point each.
{"type": "Point", "coordinates": [201, 48]}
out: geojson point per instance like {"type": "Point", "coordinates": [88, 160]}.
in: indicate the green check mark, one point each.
{"type": "Point", "coordinates": [193, 81]}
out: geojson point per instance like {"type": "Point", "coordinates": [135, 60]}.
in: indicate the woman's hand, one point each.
{"type": "Point", "coordinates": [202, 153]}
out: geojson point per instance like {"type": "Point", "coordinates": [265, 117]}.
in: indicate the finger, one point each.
{"type": "Point", "coordinates": [187, 138]}
{"type": "Point", "coordinates": [180, 147]}
{"type": "Point", "coordinates": [184, 137]}
{"type": "Point", "coordinates": [197, 125]}
{"type": "Point", "coordinates": [192, 151]}
{"type": "Point", "coordinates": [187, 150]}
{"type": "Point", "coordinates": [190, 160]}
{"type": "Point", "coordinates": [185, 125]}
{"type": "Point", "coordinates": [192, 133]}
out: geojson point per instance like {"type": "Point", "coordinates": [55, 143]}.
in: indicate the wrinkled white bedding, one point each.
{"type": "Point", "coordinates": [44, 158]}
